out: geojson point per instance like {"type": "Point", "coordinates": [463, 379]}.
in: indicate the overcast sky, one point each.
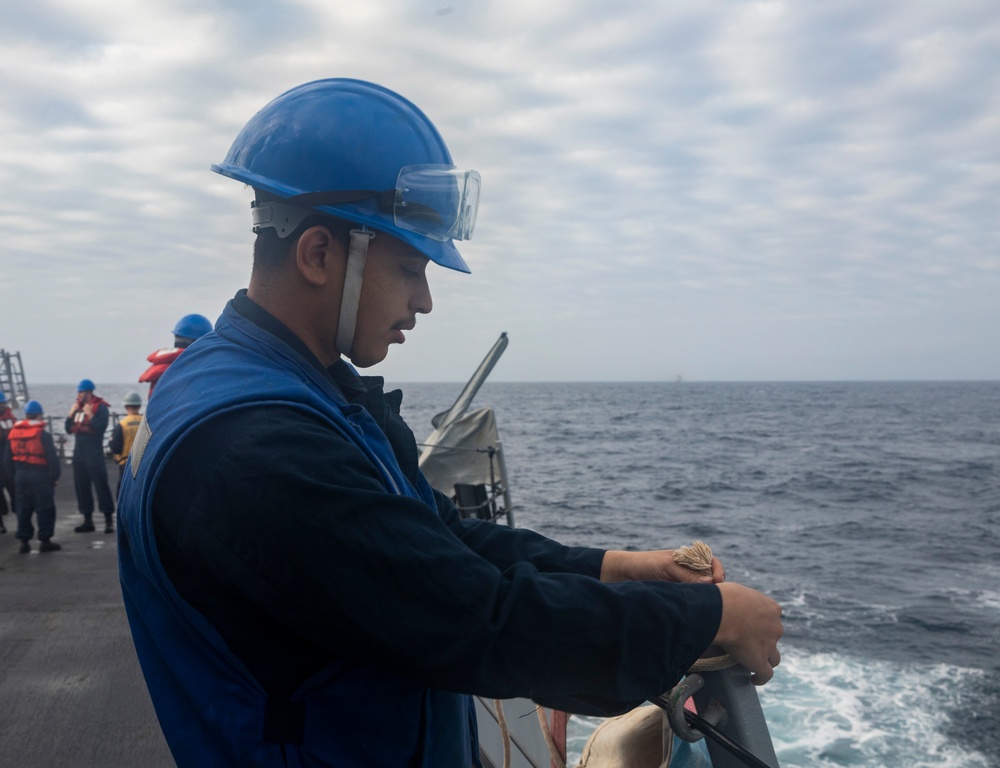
{"type": "Point", "coordinates": [712, 190]}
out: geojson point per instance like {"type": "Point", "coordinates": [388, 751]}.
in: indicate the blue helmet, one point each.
{"type": "Point", "coordinates": [3, 397]}
{"type": "Point", "coordinates": [32, 408]}
{"type": "Point", "coordinates": [85, 385]}
{"type": "Point", "coordinates": [356, 151]}
{"type": "Point", "coordinates": [192, 326]}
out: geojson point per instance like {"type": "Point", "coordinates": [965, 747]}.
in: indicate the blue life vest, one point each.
{"type": "Point", "coordinates": [212, 710]}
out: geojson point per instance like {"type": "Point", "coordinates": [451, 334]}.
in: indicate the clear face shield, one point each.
{"type": "Point", "coordinates": [436, 201]}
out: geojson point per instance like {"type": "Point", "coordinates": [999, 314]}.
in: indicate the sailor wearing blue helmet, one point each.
{"type": "Point", "coordinates": [187, 330]}
{"type": "Point", "coordinates": [30, 458]}
{"type": "Point", "coordinates": [87, 422]}
{"type": "Point", "coordinates": [297, 592]}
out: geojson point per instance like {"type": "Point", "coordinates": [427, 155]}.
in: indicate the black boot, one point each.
{"type": "Point", "coordinates": [87, 526]}
{"type": "Point", "coordinates": [48, 545]}
{"type": "Point", "coordinates": [25, 547]}
{"type": "Point", "coordinates": [109, 525]}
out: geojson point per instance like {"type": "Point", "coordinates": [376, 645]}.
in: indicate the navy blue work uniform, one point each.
{"type": "Point", "coordinates": [34, 487]}
{"type": "Point", "coordinates": [89, 467]}
{"type": "Point", "coordinates": [274, 526]}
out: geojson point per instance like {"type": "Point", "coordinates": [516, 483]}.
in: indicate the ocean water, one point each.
{"type": "Point", "coordinates": [870, 511]}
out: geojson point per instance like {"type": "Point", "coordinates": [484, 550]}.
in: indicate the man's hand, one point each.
{"type": "Point", "coordinates": [750, 630]}
{"type": "Point", "coordinates": [657, 565]}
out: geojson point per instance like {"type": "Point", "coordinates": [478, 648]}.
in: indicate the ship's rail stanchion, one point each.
{"type": "Point", "coordinates": [60, 438]}
{"type": "Point", "coordinates": [731, 718]}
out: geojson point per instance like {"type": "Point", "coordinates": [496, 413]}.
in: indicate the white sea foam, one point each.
{"type": "Point", "coordinates": [988, 599]}
{"type": "Point", "coordinates": [975, 599]}
{"type": "Point", "coordinates": [831, 710]}
{"type": "Point", "coordinates": [834, 710]}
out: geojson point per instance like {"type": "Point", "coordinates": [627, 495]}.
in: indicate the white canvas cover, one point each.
{"type": "Point", "coordinates": [458, 452]}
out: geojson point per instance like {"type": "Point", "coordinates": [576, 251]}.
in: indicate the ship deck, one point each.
{"type": "Point", "coordinates": [71, 691]}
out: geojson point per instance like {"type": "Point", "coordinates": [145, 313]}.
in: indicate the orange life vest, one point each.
{"type": "Point", "coordinates": [25, 441]}
{"type": "Point", "coordinates": [81, 421]}
{"type": "Point", "coordinates": [161, 360]}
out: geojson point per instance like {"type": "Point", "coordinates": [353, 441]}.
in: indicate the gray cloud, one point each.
{"type": "Point", "coordinates": [755, 191]}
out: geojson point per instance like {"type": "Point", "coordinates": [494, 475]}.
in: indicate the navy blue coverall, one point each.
{"type": "Point", "coordinates": [248, 491]}
{"type": "Point", "coordinates": [89, 466]}
{"type": "Point", "coordinates": [34, 490]}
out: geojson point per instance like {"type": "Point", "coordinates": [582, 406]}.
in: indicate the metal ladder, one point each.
{"type": "Point", "coordinates": [12, 382]}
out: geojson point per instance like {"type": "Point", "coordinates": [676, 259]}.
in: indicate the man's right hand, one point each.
{"type": "Point", "coordinates": [750, 630]}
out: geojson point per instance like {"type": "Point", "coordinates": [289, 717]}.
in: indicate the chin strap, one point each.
{"type": "Point", "coordinates": [356, 256]}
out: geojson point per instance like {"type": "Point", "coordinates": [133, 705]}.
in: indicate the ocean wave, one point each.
{"type": "Point", "coordinates": [829, 709]}
{"type": "Point", "coordinates": [988, 599]}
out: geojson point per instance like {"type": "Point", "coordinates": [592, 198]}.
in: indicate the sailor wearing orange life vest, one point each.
{"type": "Point", "coordinates": [123, 434]}
{"type": "Point", "coordinates": [7, 420]}
{"type": "Point", "coordinates": [30, 456]}
{"type": "Point", "coordinates": [188, 329]}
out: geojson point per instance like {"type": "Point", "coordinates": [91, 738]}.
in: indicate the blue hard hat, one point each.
{"type": "Point", "coordinates": [192, 326]}
{"type": "Point", "coordinates": [3, 397]}
{"type": "Point", "coordinates": [85, 385]}
{"type": "Point", "coordinates": [32, 408]}
{"type": "Point", "coordinates": [357, 151]}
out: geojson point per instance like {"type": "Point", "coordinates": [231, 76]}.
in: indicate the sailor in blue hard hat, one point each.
{"type": "Point", "coordinates": [297, 591]}
{"type": "Point", "coordinates": [355, 193]}
{"type": "Point", "coordinates": [30, 456]}
{"type": "Point", "coordinates": [187, 330]}
{"type": "Point", "coordinates": [87, 422]}
{"type": "Point", "coordinates": [311, 159]}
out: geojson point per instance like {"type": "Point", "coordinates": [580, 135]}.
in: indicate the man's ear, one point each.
{"type": "Point", "coordinates": [319, 255]}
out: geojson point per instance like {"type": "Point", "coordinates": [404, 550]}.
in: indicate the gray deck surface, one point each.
{"type": "Point", "coordinates": [71, 691]}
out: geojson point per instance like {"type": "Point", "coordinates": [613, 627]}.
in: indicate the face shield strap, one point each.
{"type": "Point", "coordinates": [351, 297]}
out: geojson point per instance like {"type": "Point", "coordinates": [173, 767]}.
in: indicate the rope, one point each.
{"type": "Point", "coordinates": [504, 732]}
{"type": "Point", "coordinates": [712, 664]}
{"type": "Point", "coordinates": [543, 723]}
{"type": "Point", "coordinates": [697, 557]}
{"type": "Point", "coordinates": [557, 759]}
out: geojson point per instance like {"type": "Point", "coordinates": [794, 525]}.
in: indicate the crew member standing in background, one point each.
{"type": "Point", "coordinates": [7, 420]}
{"type": "Point", "coordinates": [30, 458]}
{"type": "Point", "coordinates": [188, 329]}
{"type": "Point", "coordinates": [87, 422]}
{"type": "Point", "coordinates": [123, 433]}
